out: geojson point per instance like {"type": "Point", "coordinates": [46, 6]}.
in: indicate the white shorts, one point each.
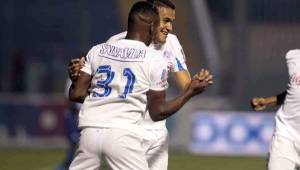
{"type": "Point", "coordinates": [156, 147]}
{"type": "Point", "coordinates": [284, 154]}
{"type": "Point", "coordinates": [120, 149]}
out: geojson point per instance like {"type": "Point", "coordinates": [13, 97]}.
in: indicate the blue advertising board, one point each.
{"type": "Point", "coordinates": [231, 133]}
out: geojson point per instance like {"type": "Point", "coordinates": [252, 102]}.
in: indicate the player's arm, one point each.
{"type": "Point", "coordinates": [179, 67]}
{"type": "Point", "coordinates": [160, 109]}
{"type": "Point", "coordinates": [261, 103]}
{"type": "Point", "coordinates": [79, 89]}
{"type": "Point", "coordinates": [183, 79]}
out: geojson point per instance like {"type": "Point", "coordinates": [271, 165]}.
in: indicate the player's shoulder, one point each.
{"type": "Point", "coordinates": [172, 37]}
{"type": "Point", "coordinates": [117, 37]}
{"type": "Point", "coordinates": [172, 40]}
{"type": "Point", "coordinates": [293, 53]}
{"type": "Point", "coordinates": [96, 47]}
{"type": "Point", "coordinates": [153, 56]}
{"type": "Point", "coordinates": [95, 50]}
{"type": "Point", "coordinates": [152, 53]}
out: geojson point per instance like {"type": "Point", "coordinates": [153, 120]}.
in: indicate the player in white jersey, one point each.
{"type": "Point", "coordinates": [156, 147]}
{"type": "Point", "coordinates": [284, 151]}
{"type": "Point", "coordinates": [157, 134]}
{"type": "Point", "coordinates": [113, 85]}
{"type": "Point", "coordinates": [168, 44]}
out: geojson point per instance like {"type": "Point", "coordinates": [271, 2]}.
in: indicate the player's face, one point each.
{"type": "Point", "coordinates": [166, 16]}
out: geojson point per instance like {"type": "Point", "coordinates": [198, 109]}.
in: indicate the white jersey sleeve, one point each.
{"type": "Point", "coordinates": [117, 37]}
{"type": "Point", "coordinates": [87, 68]}
{"type": "Point", "coordinates": [179, 60]}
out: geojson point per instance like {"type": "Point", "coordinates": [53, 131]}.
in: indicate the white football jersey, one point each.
{"type": "Point", "coordinates": [122, 72]}
{"type": "Point", "coordinates": [175, 59]}
{"type": "Point", "coordinates": [288, 116]}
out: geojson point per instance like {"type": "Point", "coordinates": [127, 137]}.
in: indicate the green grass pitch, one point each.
{"type": "Point", "coordinates": [47, 159]}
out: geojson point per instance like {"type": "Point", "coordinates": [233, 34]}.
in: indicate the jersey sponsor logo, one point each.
{"type": "Point", "coordinates": [295, 79]}
{"type": "Point", "coordinates": [164, 75]}
{"type": "Point", "coordinates": [117, 53]}
{"type": "Point", "coordinates": [163, 84]}
{"type": "Point", "coordinates": [169, 66]}
{"type": "Point", "coordinates": [164, 79]}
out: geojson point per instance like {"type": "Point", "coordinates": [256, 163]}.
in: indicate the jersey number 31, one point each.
{"type": "Point", "coordinates": [106, 69]}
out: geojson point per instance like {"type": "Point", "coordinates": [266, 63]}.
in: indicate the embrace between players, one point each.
{"type": "Point", "coordinates": [122, 83]}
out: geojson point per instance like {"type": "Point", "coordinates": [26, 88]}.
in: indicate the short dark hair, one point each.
{"type": "Point", "coordinates": [144, 12]}
{"type": "Point", "coordinates": [163, 3]}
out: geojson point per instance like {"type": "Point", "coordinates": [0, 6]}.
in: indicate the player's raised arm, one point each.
{"type": "Point", "coordinates": [179, 67]}
{"type": "Point", "coordinates": [161, 109]}
{"type": "Point", "coordinates": [183, 79]}
{"type": "Point", "coordinates": [261, 103]}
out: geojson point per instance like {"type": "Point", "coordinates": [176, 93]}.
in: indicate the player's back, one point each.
{"type": "Point", "coordinates": [121, 74]}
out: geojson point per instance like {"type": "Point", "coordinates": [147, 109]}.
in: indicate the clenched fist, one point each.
{"type": "Point", "coordinates": [258, 104]}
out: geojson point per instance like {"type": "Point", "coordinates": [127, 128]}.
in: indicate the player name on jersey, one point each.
{"type": "Point", "coordinates": [117, 53]}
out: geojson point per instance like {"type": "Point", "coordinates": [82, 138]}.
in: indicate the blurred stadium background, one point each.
{"type": "Point", "coordinates": [243, 43]}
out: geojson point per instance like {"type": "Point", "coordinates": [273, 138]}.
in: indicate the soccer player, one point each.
{"type": "Point", "coordinates": [113, 85]}
{"type": "Point", "coordinates": [156, 145]}
{"type": "Point", "coordinates": [285, 146]}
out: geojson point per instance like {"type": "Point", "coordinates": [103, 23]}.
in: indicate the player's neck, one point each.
{"type": "Point", "coordinates": [138, 37]}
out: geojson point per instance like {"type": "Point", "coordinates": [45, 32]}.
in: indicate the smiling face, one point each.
{"type": "Point", "coordinates": [167, 16]}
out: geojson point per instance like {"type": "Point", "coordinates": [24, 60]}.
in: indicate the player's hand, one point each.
{"type": "Point", "coordinates": [74, 67]}
{"type": "Point", "coordinates": [258, 104]}
{"type": "Point", "coordinates": [200, 82]}
{"type": "Point", "coordinates": [204, 75]}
